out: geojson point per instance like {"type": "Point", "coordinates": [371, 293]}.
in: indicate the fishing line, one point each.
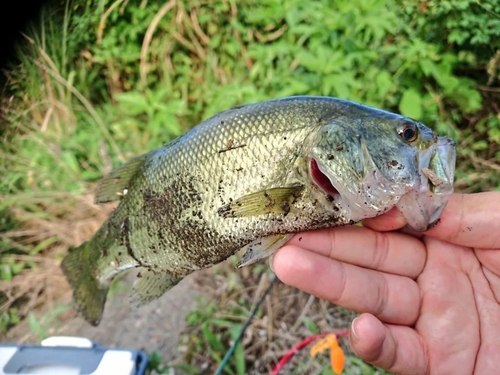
{"type": "Point", "coordinates": [231, 350]}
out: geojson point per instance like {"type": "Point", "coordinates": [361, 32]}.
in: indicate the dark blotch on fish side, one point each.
{"type": "Point", "coordinates": [285, 206]}
{"type": "Point", "coordinates": [225, 211]}
{"type": "Point", "coordinates": [125, 233]}
{"type": "Point", "coordinates": [270, 201]}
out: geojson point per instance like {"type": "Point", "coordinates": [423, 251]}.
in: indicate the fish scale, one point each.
{"type": "Point", "coordinates": [243, 179]}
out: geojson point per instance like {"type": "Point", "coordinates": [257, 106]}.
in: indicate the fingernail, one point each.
{"type": "Point", "coordinates": [354, 326]}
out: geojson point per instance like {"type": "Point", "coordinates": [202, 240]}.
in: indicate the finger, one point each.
{"type": "Point", "coordinates": [392, 298]}
{"type": "Point", "coordinates": [470, 220]}
{"type": "Point", "coordinates": [487, 299]}
{"type": "Point", "coordinates": [393, 253]}
{"type": "Point", "coordinates": [394, 348]}
{"type": "Point", "coordinates": [391, 220]}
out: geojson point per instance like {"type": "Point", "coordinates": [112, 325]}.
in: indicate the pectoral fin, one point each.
{"type": "Point", "coordinates": [275, 200]}
{"type": "Point", "coordinates": [262, 248]}
{"type": "Point", "coordinates": [113, 186]}
{"type": "Point", "coordinates": [150, 286]}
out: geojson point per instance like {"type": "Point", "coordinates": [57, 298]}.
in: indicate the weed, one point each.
{"type": "Point", "coordinates": [286, 317]}
{"type": "Point", "coordinates": [155, 365]}
{"type": "Point", "coordinates": [41, 327]}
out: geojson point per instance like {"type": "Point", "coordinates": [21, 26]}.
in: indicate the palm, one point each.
{"type": "Point", "coordinates": [458, 302]}
{"type": "Point", "coordinates": [429, 305]}
{"type": "Point", "coordinates": [449, 323]}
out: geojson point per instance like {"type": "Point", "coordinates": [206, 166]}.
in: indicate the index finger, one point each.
{"type": "Point", "coordinates": [471, 220]}
{"type": "Point", "coordinates": [394, 253]}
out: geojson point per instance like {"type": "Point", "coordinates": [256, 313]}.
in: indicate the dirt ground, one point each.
{"type": "Point", "coordinates": [154, 327]}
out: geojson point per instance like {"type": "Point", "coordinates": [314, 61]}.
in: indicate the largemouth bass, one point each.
{"type": "Point", "coordinates": [250, 177]}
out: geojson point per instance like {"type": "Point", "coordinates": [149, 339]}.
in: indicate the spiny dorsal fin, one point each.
{"type": "Point", "coordinates": [275, 200]}
{"type": "Point", "coordinates": [150, 286]}
{"type": "Point", "coordinates": [262, 248]}
{"type": "Point", "coordinates": [113, 186]}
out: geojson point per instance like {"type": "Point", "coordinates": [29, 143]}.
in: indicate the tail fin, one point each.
{"type": "Point", "coordinates": [79, 267]}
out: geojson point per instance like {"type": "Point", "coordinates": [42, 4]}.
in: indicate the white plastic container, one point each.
{"type": "Point", "coordinates": [61, 355]}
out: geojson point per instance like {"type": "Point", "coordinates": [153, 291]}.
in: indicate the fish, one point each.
{"type": "Point", "coordinates": [248, 179]}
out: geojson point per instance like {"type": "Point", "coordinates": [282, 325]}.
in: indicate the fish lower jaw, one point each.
{"type": "Point", "coordinates": [360, 209]}
{"type": "Point", "coordinates": [423, 205]}
{"type": "Point", "coordinates": [422, 209]}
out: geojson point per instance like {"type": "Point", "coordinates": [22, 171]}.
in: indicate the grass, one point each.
{"type": "Point", "coordinates": [96, 82]}
{"type": "Point", "coordinates": [286, 317]}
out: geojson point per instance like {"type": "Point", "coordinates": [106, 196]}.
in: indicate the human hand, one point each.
{"type": "Point", "coordinates": [429, 305]}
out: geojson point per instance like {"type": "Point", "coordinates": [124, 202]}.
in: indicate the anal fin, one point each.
{"type": "Point", "coordinates": [262, 248]}
{"type": "Point", "coordinates": [275, 200]}
{"type": "Point", "coordinates": [151, 285]}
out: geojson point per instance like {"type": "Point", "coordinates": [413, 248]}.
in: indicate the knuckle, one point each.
{"type": "Point", "coordinates": [381, 250]}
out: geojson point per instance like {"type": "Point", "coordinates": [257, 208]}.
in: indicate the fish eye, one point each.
{"type": "Point", "coordinates": [408, 131]}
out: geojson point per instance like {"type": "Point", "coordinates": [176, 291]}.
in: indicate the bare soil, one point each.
{"type": "Point", "coordinates": [153, 327]}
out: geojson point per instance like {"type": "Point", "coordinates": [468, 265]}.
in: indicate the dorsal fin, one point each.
{"type": "Point", "coordinates": [113, 186]}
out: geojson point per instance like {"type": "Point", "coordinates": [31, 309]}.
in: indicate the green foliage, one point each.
{"type": "Point", "coordinates": [126, 77]}
{"type": "Point", "coordinates": [155, 364]}
{"type": "Point", "coordinates": [40, 326]}
{"type": "Point", "coordinates": [212, 332]}
{"type": "Point", "coordinates": [9, 318]}
{"type": "Point", "coordinates": [470, 24]}
{"type": "Point", "coordinates": [214, 325]}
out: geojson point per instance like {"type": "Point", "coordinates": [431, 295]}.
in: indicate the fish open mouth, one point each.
{"type": "Point", "coordinates": [322, 180]}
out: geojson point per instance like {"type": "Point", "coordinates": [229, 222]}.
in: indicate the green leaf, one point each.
{"type": "Point", "coordinates": [5, 272]}
{"type": "Point", "coordinates": [36, 327]}
{"type": "Point", "coordinates": [239, 355]}
{"type": "Point", "coordinates": [211, 338]}
{"type": "Point", "coordinates": [411, 104]}
{"type": "Point", "coordinates": [384, 82]}
{"type": "Point", "coordinates": [43, 245]}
